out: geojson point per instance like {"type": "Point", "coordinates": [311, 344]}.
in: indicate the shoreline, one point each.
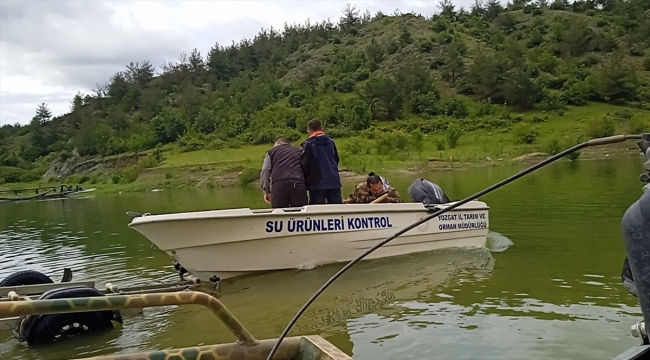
{"type": "Point", "coordinates": [197, 176]}
{"type": "Point", "coordinates": [174, 167]}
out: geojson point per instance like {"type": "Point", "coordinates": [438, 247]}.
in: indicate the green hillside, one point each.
{"type": "Point", "coordinates": [461, 85]}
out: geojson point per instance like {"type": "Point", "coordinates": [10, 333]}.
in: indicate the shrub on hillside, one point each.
{"type": "Point", "coordinates": [269, 135]}
{"type": "Point", "coordinates": [417, 140]}
{"type": "Point", "coordinates": [386, 143]}
{"type": "Point", "coordinates": [248, 175]}
{"type": "Point", "coordinates": [425, 104]}
{"type": "Point", "coordinates": [553, 101]}
{"type": "Point", "coordinates": [646, 63]}
{"type": "Point", "coordinates": [625, 114]}
{"type": "Point", "coordinates": [525, 133]}
{"type": "Point", "coordinates": [130, 174]}
{"type": "Point", "coordinates": [9, 174]}
{"type": "Point", "coordinates": [149, 161]}
{"type": "Point", "coordinates": [575, 92]}
{"type": "Point", "coordinates": [455, 108]}
{"type": "Point", "coordinates": [637, 50]}
{"type": "Point", "coordinates": [357, 146]}
{"type": "Point", "coordinates": [401, 140]}
{"type": "Point", "coordinates": [357, 114]}
{"type": "Point", "coordinates": [639, 124]}
{"type": "Point", "coordinates": [574, 155]}
{"type": "Point", "coordinates": [340, 132]}
{"type": "Point", "coordinates": [454, 134]}
{"type": "Point", "coordinates": [601, 127]}
{"type": "Point", "coordinates": [190, 143]}
{"type": "Point", "coordinates": [552, 146]}
{"type": "Point", "coordinates": [440, 144]}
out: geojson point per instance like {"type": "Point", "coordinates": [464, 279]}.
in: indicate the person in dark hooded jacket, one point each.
{"type": "Point", "coordinates": [320, 163]}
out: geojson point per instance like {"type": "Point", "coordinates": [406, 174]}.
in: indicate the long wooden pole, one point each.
{"type": "Point", "coordinates": [379, 199]}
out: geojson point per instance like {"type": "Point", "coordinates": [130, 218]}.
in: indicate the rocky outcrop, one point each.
{"type": "Point", "coordinates": [75, 164]}
{"type": "Point", "coordinates": [63, 167]}
{"type": "Point", "coordinates": [531, 157]}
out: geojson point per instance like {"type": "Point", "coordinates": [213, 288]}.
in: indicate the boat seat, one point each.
{"type": "Point", "coordinates": [271, 211]}
{"type": "Point", "coordinates": [300, 209]}
{"type": "Point", "coordinates": [262, 211]}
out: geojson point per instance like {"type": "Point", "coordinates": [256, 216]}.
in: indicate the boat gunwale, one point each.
{"type": "Point", "coordinates": [212, 214]}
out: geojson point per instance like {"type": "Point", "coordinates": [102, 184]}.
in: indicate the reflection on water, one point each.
{"type": "Point", "coordinates": [445, 330]}
{"type": "Point", "coordinates": [554, 293]}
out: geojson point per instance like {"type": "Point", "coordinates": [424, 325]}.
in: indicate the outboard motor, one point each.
{"type": "Point", "coordinates": [636, 269]}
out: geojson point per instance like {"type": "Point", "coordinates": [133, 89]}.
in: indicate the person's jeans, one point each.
{"type": "Point", "coordinates": [325, 196]}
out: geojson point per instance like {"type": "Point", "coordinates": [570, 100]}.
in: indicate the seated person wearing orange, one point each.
{"type": "Point", "coordinates": [370, 190]}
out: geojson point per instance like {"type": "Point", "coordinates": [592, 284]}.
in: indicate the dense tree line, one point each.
{"type": "Point", "coordinates": [421, 71]}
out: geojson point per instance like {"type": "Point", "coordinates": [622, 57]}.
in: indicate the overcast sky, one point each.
{"type": "Point", "coordinates": [50, 50]}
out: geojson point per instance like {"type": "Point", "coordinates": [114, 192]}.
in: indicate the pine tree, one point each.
{"type": "Point", "coordinates": [43, 113]}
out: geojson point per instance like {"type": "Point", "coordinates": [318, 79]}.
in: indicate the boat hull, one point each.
{"type": "Point", "coordinates": [229, 243]}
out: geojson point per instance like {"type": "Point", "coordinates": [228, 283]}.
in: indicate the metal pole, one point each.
{"type": "Point", "coordinates": [56, 306]}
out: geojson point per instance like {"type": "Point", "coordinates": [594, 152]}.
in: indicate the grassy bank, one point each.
{"type": "Point", "coordinates": [385, 148]}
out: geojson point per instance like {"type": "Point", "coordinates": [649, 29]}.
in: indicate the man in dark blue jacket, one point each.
{"type": "Point", "coordinates": [320, 163]}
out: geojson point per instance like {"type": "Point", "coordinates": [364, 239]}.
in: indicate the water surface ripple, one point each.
{"type": "Point", "coordinates": [555, 293]}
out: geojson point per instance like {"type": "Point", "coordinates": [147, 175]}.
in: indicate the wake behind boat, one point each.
{"type": "Point", "coordinates": [233, 242]}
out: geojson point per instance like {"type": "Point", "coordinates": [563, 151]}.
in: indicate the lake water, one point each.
{"type": "Point", "coordinates": [555, 293]}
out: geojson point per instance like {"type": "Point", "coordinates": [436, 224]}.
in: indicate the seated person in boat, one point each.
{"type": "Point", "coordinates": [424, 191]}
{"type": "Point", "coordinates": [370, 190]}
{"type": "Point", "coordinates": [282, 179]}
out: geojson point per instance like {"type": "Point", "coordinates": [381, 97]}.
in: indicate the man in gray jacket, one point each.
{"type": "Point", "coordinates": [282, 178]}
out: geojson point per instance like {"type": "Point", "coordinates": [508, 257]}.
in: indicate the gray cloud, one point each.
{"type": "Point", "coordinates": [50, 49]}
{"type": "Point", "coordinates": [20, 108]}
{"type": "Point", "coordinates": [72, 43]}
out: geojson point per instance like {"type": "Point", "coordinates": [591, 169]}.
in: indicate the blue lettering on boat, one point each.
{"type": "Point", "coordinates": [474, 216]}
{"type": "Point", "coordinates": [274, 226]}
{"type": "Point", "coordinates": [309, 225]}
{"type": "Point", "coordinates": [447, 227]}
{"type": "Point", "coordinates": [446, 217]}
{"type": "Point", "coordinates": [465, 225]}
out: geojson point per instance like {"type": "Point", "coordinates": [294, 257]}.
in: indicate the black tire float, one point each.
{"type": "Point", "coordinates": [26, 277]}
{"type": "Point", "coordinates": [45, 328]}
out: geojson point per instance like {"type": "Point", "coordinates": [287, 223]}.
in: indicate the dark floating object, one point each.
{"type": "Point", "coordinates": [43, 193]}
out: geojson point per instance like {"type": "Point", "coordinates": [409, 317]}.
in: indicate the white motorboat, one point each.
{"type": "Point", "coordinates": [233, 242]}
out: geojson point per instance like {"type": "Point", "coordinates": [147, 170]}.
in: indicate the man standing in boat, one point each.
{"type": "Point", "coordinates": [373, 188]}
{"type": "Point", "coordinates": [282, 179]}
{"type": "Point", "coordinates": [424, 191]}
{"type": "Point", "coordinates": [320, 164]}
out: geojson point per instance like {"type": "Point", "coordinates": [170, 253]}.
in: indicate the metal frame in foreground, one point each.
{"type": "Point", "coordinates": [33, 292]}
{"type": "Point", "coordinates": [246, 347]}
